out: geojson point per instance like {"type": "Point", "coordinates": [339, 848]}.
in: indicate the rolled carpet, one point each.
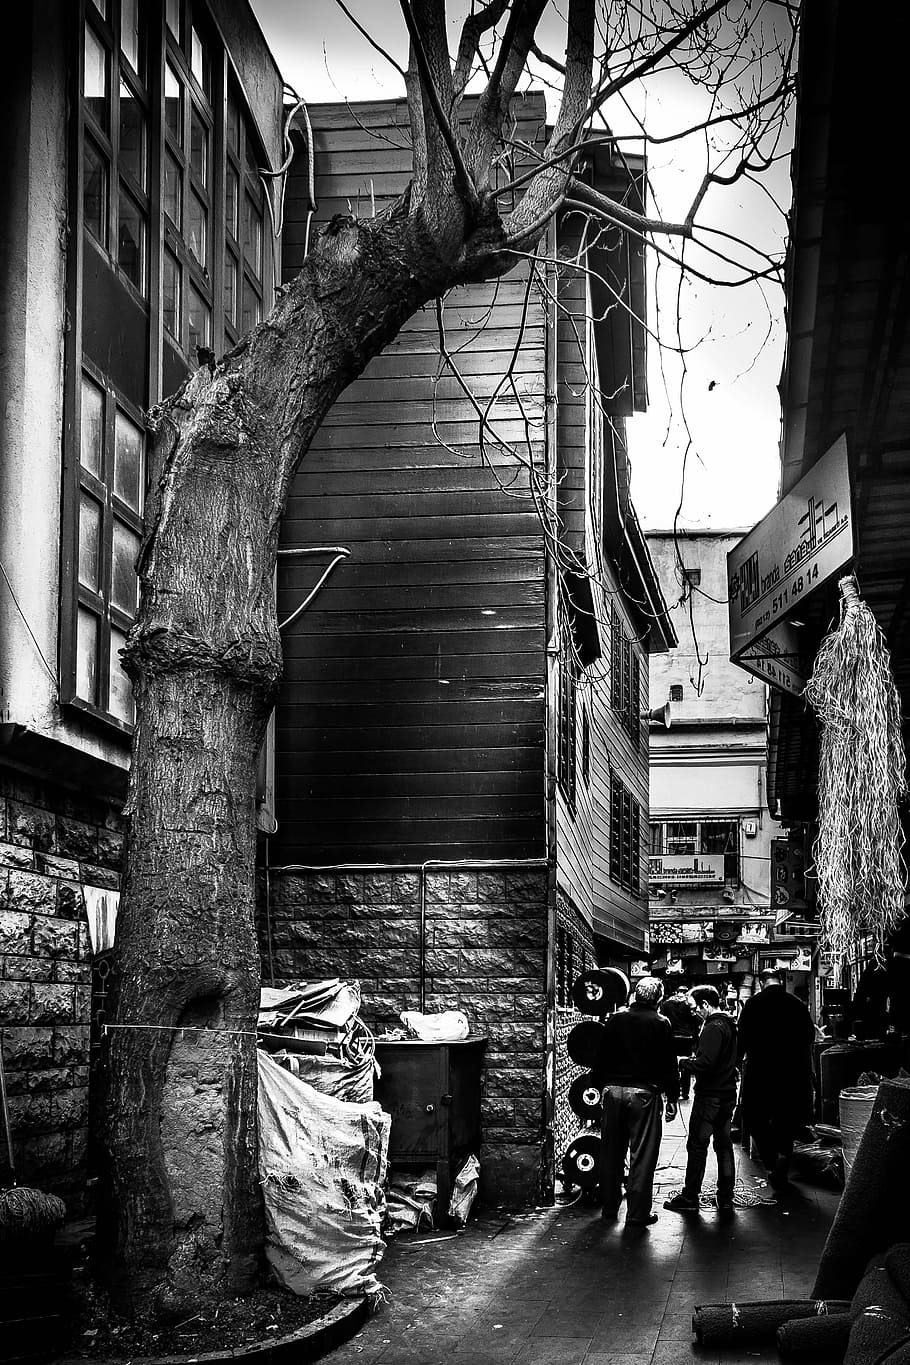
{"type": "Point", "coordinates": [729, 1324]}
{"type": "Point", "coordinates": [880, 1330]}
{"type": "Point", "coordinates": [820, 1338]}
{"type": "Point", "coordinates": [871, 1215]}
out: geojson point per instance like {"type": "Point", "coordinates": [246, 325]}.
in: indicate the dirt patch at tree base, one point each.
{"type": "Point", "coordinates": [263, 1319]}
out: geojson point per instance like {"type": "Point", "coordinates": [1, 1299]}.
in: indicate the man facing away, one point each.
{"type": "Point", "coordinates": [714, 1069]}
{"type": "Point", "coordinates": [637, 1062]}
{"type": "Point", "coordinates": [776, 1035]}
{"type": "Point", "coordinates": [678, 1009]}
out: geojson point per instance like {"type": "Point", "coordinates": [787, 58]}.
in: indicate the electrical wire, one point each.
{"type": "Point", "coordinates": [18, 606]}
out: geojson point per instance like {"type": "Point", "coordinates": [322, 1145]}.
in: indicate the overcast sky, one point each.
{"type": "Point", "coordinates": [730, 391]}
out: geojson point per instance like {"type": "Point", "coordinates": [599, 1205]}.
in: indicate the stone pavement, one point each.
{"type": "Point", "coordinates": [557, 1286]}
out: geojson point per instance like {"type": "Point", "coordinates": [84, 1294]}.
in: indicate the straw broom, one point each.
{"type": "Point", "coordinates": [861, 777]}
{"type": "Point", "coordinates": [24, 1212]}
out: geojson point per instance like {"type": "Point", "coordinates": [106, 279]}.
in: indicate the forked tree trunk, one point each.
{"type": "Point", "coordinates": [180, 1205]}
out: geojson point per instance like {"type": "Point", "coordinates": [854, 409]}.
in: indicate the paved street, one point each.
{"type": "Point", "coordinates": [559, 1287]}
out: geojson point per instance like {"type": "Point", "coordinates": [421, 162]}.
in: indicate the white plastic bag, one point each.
{"type": "Point", "coordinates": [448, 1027]}
{"type": "Point", "coordinates": [464, 1191]}
{"type": "Point", "coordinates": [322, 1164]}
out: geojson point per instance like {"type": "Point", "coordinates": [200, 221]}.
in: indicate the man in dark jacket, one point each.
{"type": "Point", "coordinates": [678, 1009]}
{"type": "Point", "coordinates": [776, 1035]}
{"type": "Point", "coordinates": [714, 1069]}
{"type": "Point", "coordinates": [637, 1062]}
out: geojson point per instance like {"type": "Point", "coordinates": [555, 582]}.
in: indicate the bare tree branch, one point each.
{"type": "Point", "coordinates": [475, 26]}
{"type": "Point", "coordinates": [493, 105]}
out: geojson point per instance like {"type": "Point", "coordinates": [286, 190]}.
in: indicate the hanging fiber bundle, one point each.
{"type": "Point", "coordinates": [861, 777]}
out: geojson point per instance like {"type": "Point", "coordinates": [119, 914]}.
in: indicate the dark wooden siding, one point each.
{"type": "Point", "coordinates": [411, 722]}
{"type": "Point", "coordinates": [583, 834]}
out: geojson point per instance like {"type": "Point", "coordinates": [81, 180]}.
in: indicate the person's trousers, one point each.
{"type": "Point", "coordinates": [684, 1048]}
{"type": "Point", "coordinates": [710, 1118]}
{"type": "Point", "coordinates": [772, 1132]}
{"type": "Point", "coordinates": [631, 1123]}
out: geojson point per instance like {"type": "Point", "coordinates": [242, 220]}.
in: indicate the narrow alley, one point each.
{"type": "Point", "coordinates": [557, 1286]}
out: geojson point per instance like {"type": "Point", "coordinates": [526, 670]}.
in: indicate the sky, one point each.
{"type": "Point", "coordinates": [708, 445]}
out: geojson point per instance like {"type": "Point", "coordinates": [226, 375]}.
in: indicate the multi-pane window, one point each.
{"type": "Point", "coordinates": [625, 837]}
{"type": "Point", "coordinates": [111, 497]}
{"type": "Point", "coordinates": [568, 703]}
{"type": "Point", "coordinates": [688, 838]}
{"type": "Point", "coordinates": [172, 207]}
{"type": "Point", "coordinates": [625, 678]}
{"type": "Point", "coordinates": [115, 137]}
{"type": "Point", "coordinates": [243, 225]}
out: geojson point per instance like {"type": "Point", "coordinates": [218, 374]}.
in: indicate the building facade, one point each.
{"type": "Point", "coordinates": [135, 230]}
{"type": "Point", "coordinates": [714, 847]}
{"type": "Point", "coordinates": [461, 801]}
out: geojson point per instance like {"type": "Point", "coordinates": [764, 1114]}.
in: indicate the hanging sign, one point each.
{"type": "Point", "coordinates": [802, 542]}
{"type": "Point", "coordinates": [774, 657]}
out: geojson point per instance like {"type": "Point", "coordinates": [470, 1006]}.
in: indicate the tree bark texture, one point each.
{"type": "Point", "coordinates": [180, 1208]}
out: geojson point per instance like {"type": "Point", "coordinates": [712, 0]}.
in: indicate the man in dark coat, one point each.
{"type": "Point", "coordinates": [637, 1063]}
{"type": "Point", "coordinates": [714, 1069]}
{"type": "Point", "coordinates": [774, 1051]}
{"type": "Point", "coordinates": [678, 1009]}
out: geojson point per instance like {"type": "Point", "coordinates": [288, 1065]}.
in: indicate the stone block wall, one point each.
{"type": "Point", "coordinates": [575, 954]}
{"type": "Point", "coordinates": [52, 844]}
{"type": "Point", "coordinates": [486, 954]}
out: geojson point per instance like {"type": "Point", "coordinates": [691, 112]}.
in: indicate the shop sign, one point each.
{"type": "Point", "coordinates": [720, 955]}
{"type": "Point", "coordinates": [774, 657]}
{"type": "Point", "coordinates": [686, 869]}
{"type": "Point", "coordinates": [802, 542]}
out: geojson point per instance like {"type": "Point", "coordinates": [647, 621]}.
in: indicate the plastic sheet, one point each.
{"type": "Point", "coordinates": [450, 1026]}
{"type": "Point", "coordinates": [322, 1164]}
{"type": "Point", "coordinates": [464, 1191]}
{"type": "Point", "coordinates": [855, 1104]}
{"type": "Point", "coordinates": [410, 1202]}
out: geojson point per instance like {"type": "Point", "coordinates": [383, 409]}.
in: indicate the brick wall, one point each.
{"type": "Point", "coordinates": [485, 954]}
{"type": "Point", "coordinates": [52, 844]}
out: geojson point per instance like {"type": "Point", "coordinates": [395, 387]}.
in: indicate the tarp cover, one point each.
{"type": "Point", "coordinates": [322, 1163]}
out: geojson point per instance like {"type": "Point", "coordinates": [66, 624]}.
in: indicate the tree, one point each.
{"type": "Point", "coordinates": [204, 655]}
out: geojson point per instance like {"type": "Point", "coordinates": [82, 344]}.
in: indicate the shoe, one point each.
{"type": "Point", "coordinates": [725, 1209]}
{"type": "Point", "coordinates": [642, 1222]}
{"type": "Point", "coordinates": [682, 1203]}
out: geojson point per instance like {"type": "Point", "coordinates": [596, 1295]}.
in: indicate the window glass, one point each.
{"type": "Point", "coordinates": [231, 200]}
{"type": "Point", "coordinates": [200, 320]}
{"type": "Point", "coordinates": [233, 124]}
{"type": "Point", "coordinates": [199, 147]}
{"type": "Point", "coordinates": [230, 289]}
{"type": "Point", "coordinates": [173, 104]}
{"type": "Point", "coordinates": [129, 444]}
{"type": "Point", "coordinates": [101, 7]}
{"type": "Point", "coordinates": [199, 60]}
{"type": "Point", "coordinates": [121, 691]}
{"type": "Point", "coordinates": [682, 837]}
{"type": "Point", "coordinates": [87, 636]}
{"type": "Point", "coordinates": [196, 229]}
{"type": "Point", "coordinates": [132, 136]}
{"type": "Point", "coordinates": [94, 79]}
{"type": "Point", "coordinates": [131, 34]}
{"type": "Point", "coordinates": [124, 583]}
{"type": "Point", "coordinates": [170, 293]}
{"type": "Point", "coordinates": [131, 241]}
{"type": "Point", "coordinates": [94, 192]}
{"type": "Point", "coordinates": [91, 446]}
{"type": "Point", "coordinates": [250, 310]}
{"type": "Point", "coordinates": [251, 158]}
{"type": "Point", "coordinates": [172, 17]}
{"type": "Point", "coordinates": [173, 190]}
{"type": "Point", "coordinates": [89, 542]}
{"type": "Point", "coordinates": [252, 246]}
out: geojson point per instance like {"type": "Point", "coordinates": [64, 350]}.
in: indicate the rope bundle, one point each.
{"type": "Point", "coordinates": [858, 849]}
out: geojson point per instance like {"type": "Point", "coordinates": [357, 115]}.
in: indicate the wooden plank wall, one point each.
{"type": "Point", "coordinates": [411, 721]}
{"type": "Point", "coordinates": [583, 836]}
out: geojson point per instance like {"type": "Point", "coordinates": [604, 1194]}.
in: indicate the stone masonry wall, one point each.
{"type": "Point", "coordinates": [52, 844]}
{"type": "Point", "coordinates": [485, 954]}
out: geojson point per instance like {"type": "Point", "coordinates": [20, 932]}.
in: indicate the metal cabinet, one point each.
{"type": "Point", "coordinates": [432, 1091]}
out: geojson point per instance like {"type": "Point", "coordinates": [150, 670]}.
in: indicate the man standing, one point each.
{"type": "Point", "coordinates": [678, 1009]}
{"type": "Point", "coordinates": [714, 1069]}
{"type": "Point", "coordinates": [637, 1062]}
{"type": "Point", "coordinates": [774, 1049]}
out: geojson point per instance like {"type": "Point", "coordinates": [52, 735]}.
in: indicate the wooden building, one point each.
{"type": "Point", "coordinates": [133, 227]}
{"type": "Point", "coordinates": [461, 758]}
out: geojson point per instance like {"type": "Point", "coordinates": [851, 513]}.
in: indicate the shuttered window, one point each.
{"type": "Point", "coordinates": [568, 700]}
{"type": "Point", "coordinates": [625, 837]}
{"type": "Point", "coordinates": [625, 678]}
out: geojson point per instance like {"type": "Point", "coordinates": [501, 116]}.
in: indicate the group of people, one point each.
{"type": "Point", "coordinates": [762, 1061]}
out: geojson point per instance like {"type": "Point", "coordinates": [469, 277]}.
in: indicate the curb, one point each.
{"type": "Point", "coordinates": [306, 1344]}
